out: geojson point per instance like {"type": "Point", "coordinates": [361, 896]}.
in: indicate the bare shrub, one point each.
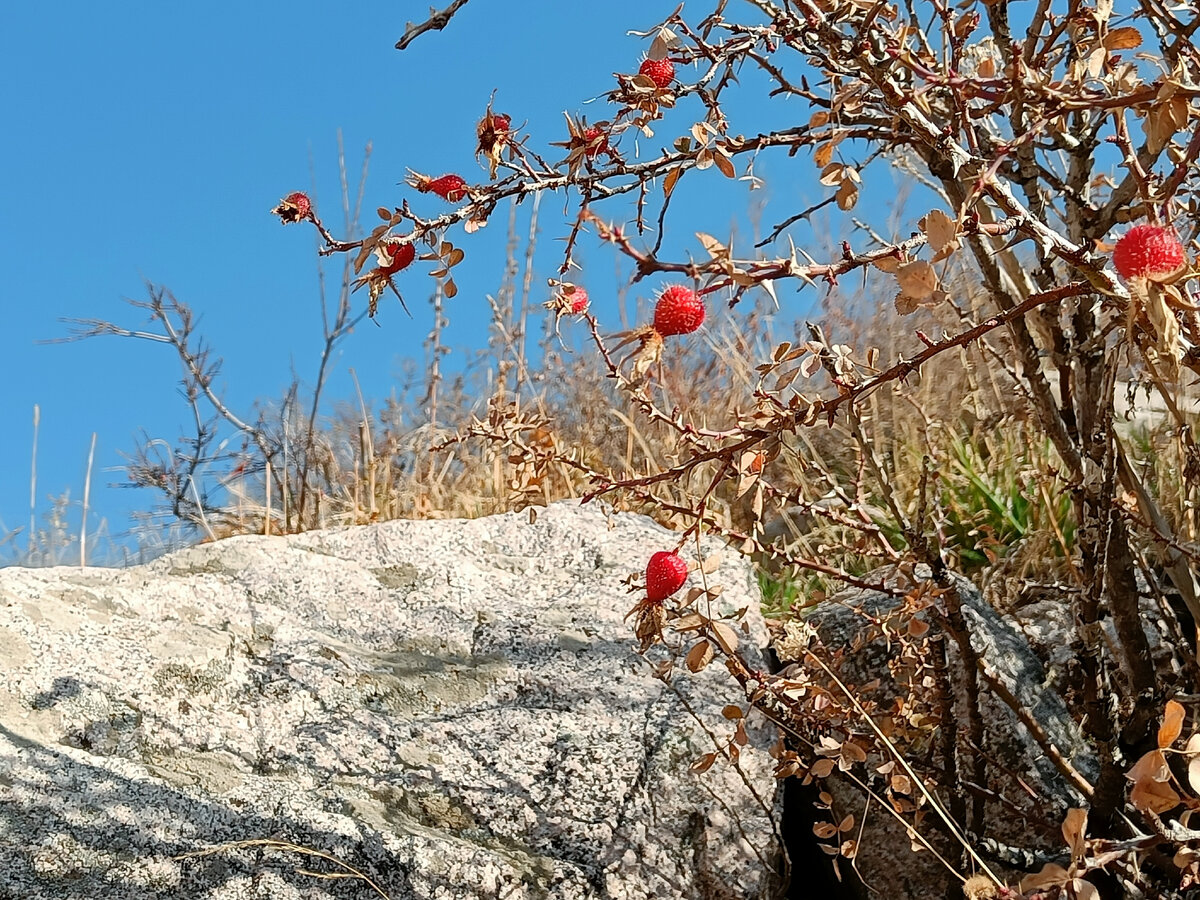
{"type": "Point", "coordinates": [1015, 409]}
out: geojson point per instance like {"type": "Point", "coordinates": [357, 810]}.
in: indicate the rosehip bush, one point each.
{"type": "Point", "coordinates": [1021, 405]}
{"type": "Point", "coordinates": [1047, 276]}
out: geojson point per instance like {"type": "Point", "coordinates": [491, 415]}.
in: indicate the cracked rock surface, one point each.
{"type": "Point", "coordinates": [452, 707]}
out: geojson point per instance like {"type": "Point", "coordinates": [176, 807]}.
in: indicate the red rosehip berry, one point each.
{"type": "Point", "coordinates": [660, 71]}
{"type": "Point", "coordinates": [679, 311]}
{"type": "Point", "coordinates": [449, 187]}
{"type": "Point", "coordinates": [578, 299]}
{"type": "Point", "coordinates": [501, 123]}
{"type": "Point", "coordinates": [393, 256]}
{"type": "Point", "coordinates": [1148, 251]}
{"type": "Point", "coordinates": [665, 574]}
{"type": "Point", "coordinates": [295, 207]}
{"type": "Point", "coordinates": [595, 142]}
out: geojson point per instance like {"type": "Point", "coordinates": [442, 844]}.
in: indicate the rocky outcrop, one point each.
{"type": "Point", "coordinates": [453, 708]}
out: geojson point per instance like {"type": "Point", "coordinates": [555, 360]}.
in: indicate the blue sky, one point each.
{"type": "Point", "coordinates": [148, 141]}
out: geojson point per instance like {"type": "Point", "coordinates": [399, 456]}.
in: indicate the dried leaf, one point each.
{"type": "Point", "coordinates": [917, 280]}
{"type": "Point", "coordinates": [663, 41]}
{"type": "Point", "coordinates": [823, 154]}
{"type": "Point", "coordinates": [822, 768]}
{"type": "Point", "coordinates": [1172, 724]}
{"type": "Point", "coordinates": [1085, 890]}
{"type": "Point", "coordinates": [450, 289]}
{"type": "Point", "coordinates": [726, 637]}
{"type": "Point", "coordinates": [854, 753]}
{"type": "Point", "coordinates": [714, 248]}
{"type": "Point", "coordinates": [724, 163]}
{"type": "Point", "coordinates": [384, 213]}
{"type": "Point", "coordinates": [711, 563]}
{"type": "Point", "coordinates": [786, 378]}
{"type": "Point", "coordinates": [1163, 121]}
{"type": "Point", "coordinates": [1122, 39]}
{"type": "Point", "coordinates": [1151, 792]}
{"type": "Point", "coordinates": [670, 181]}
{"type": "Point", "coordinates": [1166, 326]}
{"type": "Point", "coordinates": [824, 830]}
{"type": "Point", "coordinates": [1074, 828]}
{"type": "Point", "coordinates": [941, 231]}
{"type": "Point", "coordinates": [1052, 875]}
{"type": "Point", "coordinates": [832, 174]}
{"type": "Point", "coordinates": [740, 738]}
{"type": "Point", "coordinates": [733, 712]}
{"type": "Point", "coordinates": [704, 763]}
{"type": "Point", "coordinates": [1152, 765]}
{"type": "Point", "coordinates": [847, 195]}
{"type": "Point", "coordinates": [699, 657]}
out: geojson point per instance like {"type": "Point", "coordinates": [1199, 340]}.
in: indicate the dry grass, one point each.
{"type": "Point", "coordinates": [994, 497]}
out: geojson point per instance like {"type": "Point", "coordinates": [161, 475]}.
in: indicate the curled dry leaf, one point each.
{"type": "Point", "coordinates": [724, 163]}
{"type": "Point", "coordinates": [1151, 790]}
{"type": "Point", "coordinates": [941, 232]}
{"type": "Point", "coordinates": [919, 287]}
{"type": "Point", "coordinates": [714, 248]}
{"type": "Point", "coordinates": [1051, 875]}
{"type": "Point", "coordinates": [725, 636]}
{"type": "Point", "coordinates": [670, 181]}
{"type": "Point", "coordinates": [664, 41]}
{"type": "Point", "coordinates": [917, 280]}
{"type": "Point", "coordinates": [1172, 724]}
{"type": "Point", "coordinates": [834, 173]}
{"type": "Point", "coordinates": [704, 763]}
{"type": "Point", "coordinates": [847, 195]}
{"type": "Point", "coordinates": [822, 768]}
{"type": "Point", "coordinates": [853, 753]}
{"type": "Point", "coordinates": [1074, 828]}
{"type": "Point", "coordinates": [1166, 327]}
{"type": "Point", "coordinates": [699, 656]}
{"type": "Point", "coordinates": [750, 467]}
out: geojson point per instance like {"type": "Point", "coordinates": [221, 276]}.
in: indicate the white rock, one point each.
{"type": "Point", "coordinates": [451, 707]}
